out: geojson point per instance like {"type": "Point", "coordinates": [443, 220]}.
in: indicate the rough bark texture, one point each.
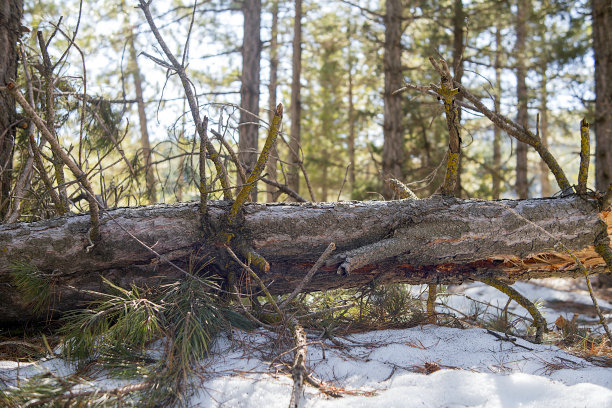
{"type": "Point", "coordinates": [272, 162]}
{"type": "Point", "coordinates": [10, 23]}
{"type": "Point", "coordinates": [249, 91]}
{"type": "Point", "coordinates": [393, 145]}
{"type": "Point", "coordinates": [142, 117]}
{"type": "Point", "coordinates": [443, 240]}
{"type": "Point", "coordinates": [602, 40]}
{"type": "Point", "coordinates": [458, 27]}
{"type": "Point", "coordinates": [496, 167]}
{"type": "Point", "coordinates": [546, 188]}
{"type": "Point", "coordinates": [293, 175]}
{"type": "Point", "coordinates": [351, 113]}
{"type": "Point", "coordinates": [522, 186]}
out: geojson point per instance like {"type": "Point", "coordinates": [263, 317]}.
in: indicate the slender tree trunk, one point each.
{"type": "Point", "coordinates": [351, 114]}
{"type": "Point", "coordinates": [296, 104]}
{"type": "Point", "coordinates": [544, 171]}
{"type": "Point", "coordinates": [496, 175]}
{"type": "Point", "coordinates": [458, 38]}
{"type": "Point", "coordinates": [522, 187]}
{"type": "Point", "coordinates": [142, 117]}
{"type": "Point", "coordinates": [180, 184]}
{"type": "Point", "coordinates": [602, 47]}
{"type": "Point", "coordinates": [393, 145]}
{"type": "Point", "coordinates": [249, 91]}
{"type": "Point", "coordinates": [10, 23]}
{"type": "Point", "coordinates": [272, 160]}
{"type": "Point", "coordinates": [324, 173]}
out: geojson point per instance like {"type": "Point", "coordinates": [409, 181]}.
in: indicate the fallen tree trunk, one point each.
{"type": "Point", "coordinates": [437, 240]}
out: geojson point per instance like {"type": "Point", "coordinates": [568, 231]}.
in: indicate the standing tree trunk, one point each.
{"type": "Point", "coordinates": [142, 117]}
{"type": "Point", "coordinates": [496, 174]}
{"type": "Point", "coordinates": [351, 113]}
{"type": "Point", "coordinates": [458, 26]}
{"type": "Point", "coordinates": [249, 91]}
{"type": "Point", "coordinates": [393, 145]}
{"type": "Point", "coordinates": [602, 40]}
{"type": "Point", "coordinates": [271, 165]}
{"type": "Point", "coordinates": [10, 24]}
{"type": "Point", "coordinates": [544, 171]}
{"type": "Point", "coordinates": [522, 187]}
{"type": "Point", "coordinates": [296, 105]}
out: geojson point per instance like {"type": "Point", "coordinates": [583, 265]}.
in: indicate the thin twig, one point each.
{"type": "Point", "coordinates": [258, 280]}
{"type": "Point", "coordinates": [191, 99]}
{"type": "Point", "coordinates": [310, 274]}
{"type": "Point", "coordinates": [58, 150]}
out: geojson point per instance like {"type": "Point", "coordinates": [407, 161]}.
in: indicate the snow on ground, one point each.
{"type": "Point", "coordinates": [388, 368]}
{"type": "Point", "coordinates": [558, 293]}
{"type": "Point", "coordinates": [477, 370]}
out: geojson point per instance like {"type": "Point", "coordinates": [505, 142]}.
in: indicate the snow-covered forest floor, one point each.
{"type": "Point", "coordinates": [423, 366]}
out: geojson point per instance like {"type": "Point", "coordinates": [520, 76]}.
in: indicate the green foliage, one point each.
{"type": "Point", "coordinates": [103, 124]}
{"type": "Point", "coordinates": [124, 317]}
{"type": "Point", "coordinates": [51, 391]}
{"type": "Point", "coordinates": [114, 333]}
{"type": "Point", "coordinates": [34, 285]}
{"type": "Point", "coordinates": [391, 304]}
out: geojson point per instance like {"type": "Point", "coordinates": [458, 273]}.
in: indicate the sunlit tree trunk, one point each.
{"type": "Point", "coordinates": [10, 22]}
{"type": "Point", "coordinates": [544, 171]}
{"type": "Point", "coordinates": [142, 117]}
{"type": "Point", "coordinates": [351, 115]}
{"type": "Point", "coordinates": [296, 107]}
{"type": "Point", "coordinates": [324, 174]}
{"type": "Point", "coordinates": [602, 47]}
{"type": "Point", "coordinates": [496, 174]}
{"type": "Point", "coordinates": [522, 187]}
{"type": "Point", "coordinates": [458, 27]}
{"type": "Point", "coordinates": [249, 91]}
{"type": "Point", "coordinates": [393, 145]}
{"type": "Point", "coordinates": [271, 165]}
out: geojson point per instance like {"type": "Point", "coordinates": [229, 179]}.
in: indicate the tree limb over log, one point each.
{"type": "Point", "coordinates": [436, 240]}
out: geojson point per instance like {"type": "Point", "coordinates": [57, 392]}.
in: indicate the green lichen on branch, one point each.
{"type": "Point", "coordinates": [402, 190]}
{"type": "Point", "coordinates": [513, 294]}
{"type": "Point", "coordinates": [447, 93]}
{"type": "Point", "coordinates": [585, 151]}
{"type": "Point", "coordinates": [259, 166]}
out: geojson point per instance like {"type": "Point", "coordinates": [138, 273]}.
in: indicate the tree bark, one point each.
{"type": "Point", "coordinates": [544, 170]}
{"type": "Point", "coordinates": [293, 176]}
{"type": "Point", "coordinates": [10, 24]}
{"type": "Point", "coordinates": [458, 26]}
{"type": "Point", "coordinates": [272, 161]}
{"type": "Point", "coordinates": [522, 185]}
{"type": "Point", "coordinates": [142, 117]}
{"type": "Point", "coordinates": [436, 240]}
{"type": "Point", "coordinates": [602, 38]}
{"type": "Point", "coordinates": [351, 112]}
{"type": "Point", "coordinates": [249, 91]}
{"type": "Point", "coordinates": [393, 144]}
{"type": "Point", "coordinates": [496, 173]}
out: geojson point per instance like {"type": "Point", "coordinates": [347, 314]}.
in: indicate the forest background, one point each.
{"type": "Point", "coordinates": [335, 69]}
{"type": "Point", "coordinates": [116, 98]}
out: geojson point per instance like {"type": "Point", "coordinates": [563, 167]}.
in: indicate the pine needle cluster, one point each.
{"type": "Point", "coordinates": [157, 337]}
